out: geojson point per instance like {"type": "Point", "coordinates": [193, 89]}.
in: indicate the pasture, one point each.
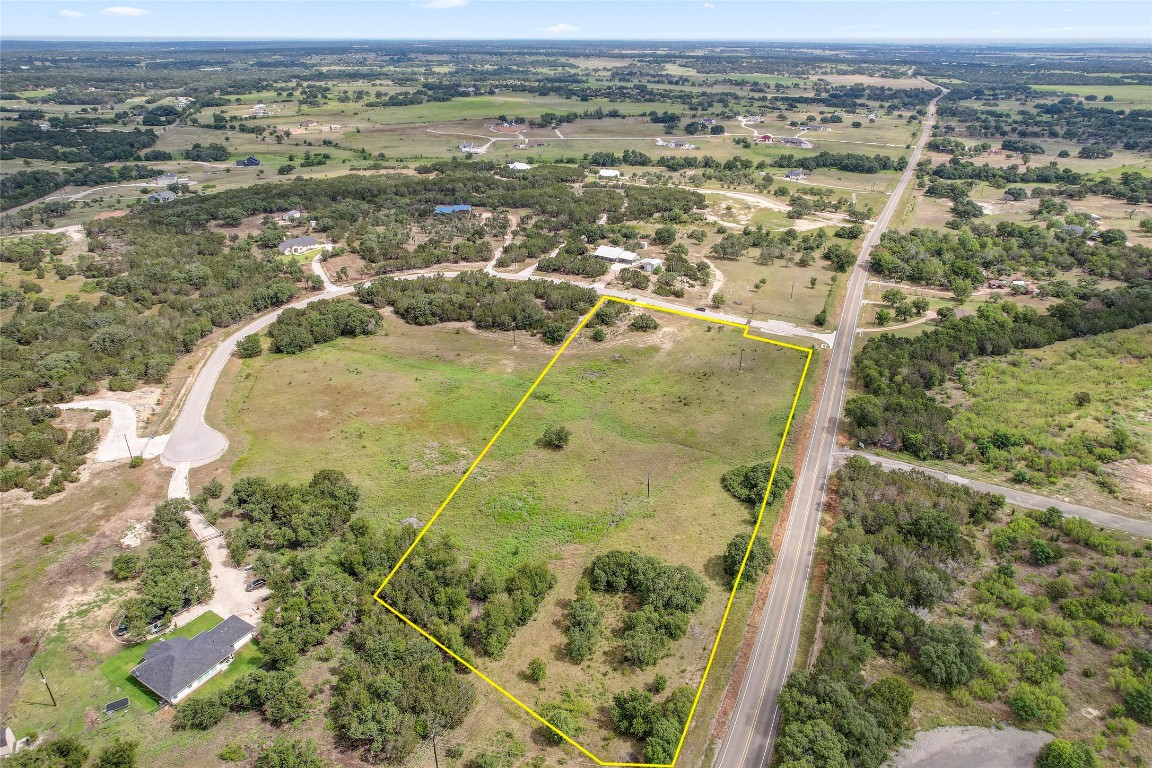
{"type": "Point", "coordinates": [408, 411]}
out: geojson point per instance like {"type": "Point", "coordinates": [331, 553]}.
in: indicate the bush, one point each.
{"type": "Point", "coordinates": [583, 630]}
{"type": "Point", "coordinates": [556, 437]}
{"type": "Point", "coordinates": [1061, 753]}
{"type": "Point", "coordinates": [644, 322]}
{"type": "Point", "coordinates": [750, 483]}
{"type": "Point", "coordinates": [537, 671]}
{"type": "Point", "coordinates": [1042, 705]}
{"type": "Point", "coordinates": [759, 558]}
{"type": "Point", "coordinates": [290, 753]}
{"type": "Point", "coordinates": [121, 753]}
{"type": "Point", "coordinates": [199, 714]}
{"type": "Point", "coordinates": [249, 347]}
{"type": "Point", "coordinates": [126, 565]}
{"type": "Point", "coordinates": [232, 753]}
{"type": "Point", "coordinates": [1138, 702]}
{"type": "Point", "coordinates": [948, 656]}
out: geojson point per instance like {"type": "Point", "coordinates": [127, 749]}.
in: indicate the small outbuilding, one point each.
{"type": "Point", "coordinates": [518, 166]}
{"type": "Point", "coordinates": [608, 173]}
{"type": "Point", "coordinates": [248, 162]}
{"type": "Point", "coordinates": [649, 265]}
{"type": "Point", "coordinates": [291, 215]}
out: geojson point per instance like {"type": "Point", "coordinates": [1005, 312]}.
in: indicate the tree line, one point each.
{"type": "Point", "coordinates": [901, 546]}
{"type": "Point", "coordinates": [900, 410]}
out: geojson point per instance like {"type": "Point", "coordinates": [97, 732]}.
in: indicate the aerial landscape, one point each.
{"type": "Point", "coordinates": [491, 384]}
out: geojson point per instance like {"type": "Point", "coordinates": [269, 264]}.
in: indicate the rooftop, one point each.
{"type": "Point", "coordinates": [170, 666]}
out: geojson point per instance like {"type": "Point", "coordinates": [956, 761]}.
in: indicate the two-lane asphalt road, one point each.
{"type": "Point", "coordinates": [748, 742]}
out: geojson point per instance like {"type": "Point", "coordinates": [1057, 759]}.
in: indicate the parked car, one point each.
{"type": "Point", "coordinates": [253, 585]}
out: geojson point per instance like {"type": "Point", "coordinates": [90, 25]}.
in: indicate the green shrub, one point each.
{"type": "Point", "coordinates": [644, 322]}
{"type": "Point", "coordinates": [1061, 753]}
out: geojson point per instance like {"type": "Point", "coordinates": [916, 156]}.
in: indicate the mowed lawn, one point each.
{"type": "Point", "coordinates": [405, 414]}
{"type": "Point", "coordinates": [117, 670]}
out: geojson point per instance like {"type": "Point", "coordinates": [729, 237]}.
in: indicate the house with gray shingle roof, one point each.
{"type": "Point", "coordinates": [297, 245]}
{"type": "Point", "coordinates": [172, 669]}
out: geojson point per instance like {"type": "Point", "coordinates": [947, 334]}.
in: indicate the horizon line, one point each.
{"type": "Point", "coordinates": [1132, 41]}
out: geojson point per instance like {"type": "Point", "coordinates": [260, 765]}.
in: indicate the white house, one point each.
{"type": "Point", "coordinates": [297, 245]}
{"type": "Point", "coordinates": [611, 253]}
{"type": "Point", "coordinates": [173, 669]}
{"type": "Point", "coordinates": [795, 175]}
{"type": "Point", "coordinates": [608, 173]}
{"type": "Point", "coordinates": [291, 215]}
{"type": "Point", "coordinates": [518, 166]}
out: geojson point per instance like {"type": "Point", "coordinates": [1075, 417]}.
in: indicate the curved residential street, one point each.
{"type": "Point", "coordinates": [1013, 495]}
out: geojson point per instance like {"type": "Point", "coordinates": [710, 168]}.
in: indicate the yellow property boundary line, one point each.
{"type": "Point", "coordinates": [735, 586]}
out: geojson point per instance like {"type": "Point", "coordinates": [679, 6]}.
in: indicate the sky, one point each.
{"type": "Point", "coordinates": [786, 20]}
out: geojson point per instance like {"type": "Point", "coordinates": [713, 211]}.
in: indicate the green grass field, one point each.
{"type": "Point", "coordinates": [405, 414]}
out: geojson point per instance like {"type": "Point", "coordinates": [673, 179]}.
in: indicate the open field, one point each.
{"type": "Point", "coordinates": [1122, 95]}
{"type": "Point", "coordinates": [407, 412]}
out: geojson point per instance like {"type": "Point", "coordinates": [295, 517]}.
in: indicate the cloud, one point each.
{"type": "Point", "coordinates": [70, 14]}
{"type": "Point", "coordinates": [440, 4]}
{"type": "Point", "coordinates": [710, 6]}
{"type": "Point", "coordinates": [123, 10]}
{"type": "Point", "coordinates": [560, 29]}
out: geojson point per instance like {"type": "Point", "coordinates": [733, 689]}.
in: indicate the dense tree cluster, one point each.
{"type": "Point", "coordinates": [162, 293]}
{"type": "Point", "coordinates": [25, 186]}
{"type": "Point", "coordinates": [489, 302]}
{"type": "Point", "coordinates": [174, 574]}
{"type": "Point", "coordinates": [940, 258]}
{"type": "Point", "coordinates": [38, 456]}
{"type": "Point", "coordinates": [659, 726]}
{"type": "Point", "coordinates": [278, 695]}
{"type": "Point", "coordinates": [1064, 117]}
{"type": "Point", "coordinates": [1130, 186]}
{"type": "Point", "coordinates": [749, 484]}
{"type": "Point", "coordinates": [899, 547]}
{"type": "Point", "coordinates": [900, 376]}
{"type": "Point", "coordinates": [667, 596]}
{"type": "Point", "coordinates": [296, 330]}
{"type": "Point", "coordinates": [286, 516]}
{"type": "Point", "coordinates": [393, 689]}
{"type": "Point", "coordinates": [852, 162]}
{"type": "Point", "coordinates": [27, 140]}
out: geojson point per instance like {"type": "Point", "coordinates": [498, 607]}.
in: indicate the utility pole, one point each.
{"type": "Point", "coordinates": [45, 681]}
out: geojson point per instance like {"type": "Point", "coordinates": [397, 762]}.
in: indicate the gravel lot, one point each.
{"type": "Point", "coordinates": [971, 747]}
